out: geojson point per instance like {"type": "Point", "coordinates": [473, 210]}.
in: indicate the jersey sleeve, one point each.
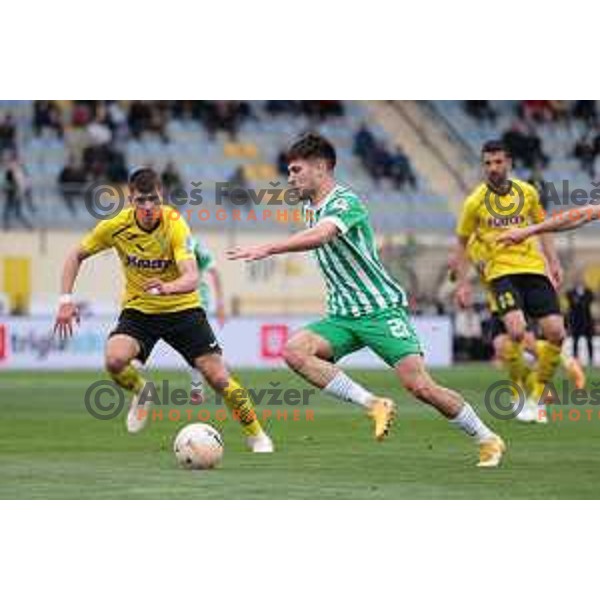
{"type": "Point", "coordinates": [467, 221]}
{"type": "Point", "coordinates": [98, 239]}
{"type": "Point", "coordinates": [182, 241]}
{"type": "Point", "coordinates": [345, 212]}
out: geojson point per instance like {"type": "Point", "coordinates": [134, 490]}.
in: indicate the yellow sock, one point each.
{"type": "Point", "coordinates": [240, 404]}
{"type": "Point", "coordinates": [565, 361]}
{"type": "Point", "coordinates": [564, 358]}
{"type": "Point", "coordinates": [530, 383]}
{"type": "Point", "coordinates": [548, 360]}
{"type": "Point", "coordinates": [514, 361]}
{"type": "Point", "coordinates": [129, 379]}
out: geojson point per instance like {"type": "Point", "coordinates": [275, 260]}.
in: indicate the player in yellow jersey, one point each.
{"type": "Point", "coordinates": [500, 340]}
{"type": "Point", "coordinates": [161, 301]}
{"type": "Point", "coordinates": [516, 275]}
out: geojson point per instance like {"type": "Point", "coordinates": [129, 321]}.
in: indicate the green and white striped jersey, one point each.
{"type": "Point", "coordinates": [357, 283]}
{"type": "Point", "coordinates": [205, 260]}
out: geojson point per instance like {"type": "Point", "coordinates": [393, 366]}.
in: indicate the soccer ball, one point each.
{"type": "Point", "coordinates": [198, 446]}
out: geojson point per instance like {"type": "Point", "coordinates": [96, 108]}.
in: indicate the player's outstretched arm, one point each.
{"type": "Point", "coordinates": [67, 309]}
{"type": "Point", "coordinates": [299, 242]}
{"type": "Point", "coordinates": [561, 222]}
{"type": "Point", "coordinates": [187, 281]}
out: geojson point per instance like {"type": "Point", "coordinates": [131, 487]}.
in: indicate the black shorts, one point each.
{"type": "Point", "coordinates": [187, 331]}
{"type": "Point", "coordinates": [532, 293]}
{"type": "Point", "coordinates": [495, 327]}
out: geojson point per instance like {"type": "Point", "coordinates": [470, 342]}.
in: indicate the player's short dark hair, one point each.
{"type": "Point", "coordinates": [312, 146]}
{"type": "Point", "coordinates": [144, 179]}
{"type": "Point", "coordinates": [495, 146]}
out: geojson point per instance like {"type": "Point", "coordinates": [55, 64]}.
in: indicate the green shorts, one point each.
{"type": "Point", "coordinates": [389, 333]}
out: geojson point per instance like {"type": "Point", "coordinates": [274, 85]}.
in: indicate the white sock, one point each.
{"type": "Point", "coordinates": [341, 386]}
{"type": "Point", "coordinates": [471, 424]}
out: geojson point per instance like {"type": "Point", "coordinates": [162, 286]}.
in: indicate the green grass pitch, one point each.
{"type": "Point", "coordinates": [50, 447]}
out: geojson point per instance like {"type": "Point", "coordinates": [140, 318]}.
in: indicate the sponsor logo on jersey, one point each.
{"type": "Point", "coordinates": [505, 221]}
{"type": "Point", "coordinates": [148, 263]}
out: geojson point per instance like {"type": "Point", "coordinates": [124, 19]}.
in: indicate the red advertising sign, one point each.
{"type": "Point", "coordinates": [272, 340]}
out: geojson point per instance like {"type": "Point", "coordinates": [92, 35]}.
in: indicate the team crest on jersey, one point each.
{"type": "Point", "coordinates": [340, 204]}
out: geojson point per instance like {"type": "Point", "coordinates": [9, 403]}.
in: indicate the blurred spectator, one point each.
{"type": "Point", "coordinates": [481, 110]}
{"type": "Point", "coordinates": [444, 297]}
{"type": "Point", "coordinates": [468, 343]}
{"type": "Point", "coordinates": [17, 192]}
{"type": "Point", "coordinates": [81, 115]}
{"type": "Point", "coordinates": [8, 133]}
{"type": "Point", "coordinates": [544, 111]}
{"type": "Point", "coordinates": [580, 320]}
{"type": "Point", "coordinates": [238, 177]}
{"type": "Point", "coordinates": [379, 162]}
{"type": "Point", "coordinates": [319, 110]}
{"type": "Point", "coordinates": [47, 115]}
{"type": "Point", "coordinates": [364, 141]}
{"type": "Point", "coordinates": [560, 110]}
{"type": "Point", "coordinates": [400, 170]}
{"type": "Point", "coordinates": [71, 181]}
{"type": "Point", "coordinates": [149, 117]}
{"type": "Point", "coordinates": [278, 107]}
{"type": "Point", "coordinates": [586, 150]}
{"type": "Point", "coordinates": [236, 193]}
{"type": "Point", "coordinates": [539, 111]}
{"type": "Point", "coordinates": [159, 116]}
{"type": "Point", "coordinates": [525, 145]}
{"type": "Point", "coordinates": [116, 119]}
{"type": "Point", "coordinates": [139, 118]}
{"type": "Point", "coordinates": [98, 132]}
{"type": "Point", "coordinates": [224, 115]}
{"type": "Point", "coordinates": [322, 109]}
{"type": "Point", "coordinates": [185, 109]}
{"type": "Point", "coordinates": [171, 179]}
{"type": "Point", "coordinates": [86, 111]}
{"type": "Point", "coordinates": [372, 155]}
{"type": "Point", "coordinates": [585, 110]}
{"type": "Point", "coordinates": [104, 163]}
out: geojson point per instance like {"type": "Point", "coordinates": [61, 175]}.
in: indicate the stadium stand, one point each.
{"type": "Point", "coordinates": [204, 142]}
{"type": "Point", "coordinates": [552, 140]}
{"type": "Point", "coordinates": [413, 162]}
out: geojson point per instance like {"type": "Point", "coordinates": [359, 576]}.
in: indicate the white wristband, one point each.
{"type": "Point", "coordinates": [65, 299]}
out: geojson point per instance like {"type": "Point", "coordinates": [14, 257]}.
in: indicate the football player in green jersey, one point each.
{"type": "Point", "coordinates": [365, 306]}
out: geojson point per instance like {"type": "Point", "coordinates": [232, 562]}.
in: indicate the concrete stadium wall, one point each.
{"type": "Point", "coordinates": [282, 285]}
{"type": "Point", "coordinates": [286, 285]}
